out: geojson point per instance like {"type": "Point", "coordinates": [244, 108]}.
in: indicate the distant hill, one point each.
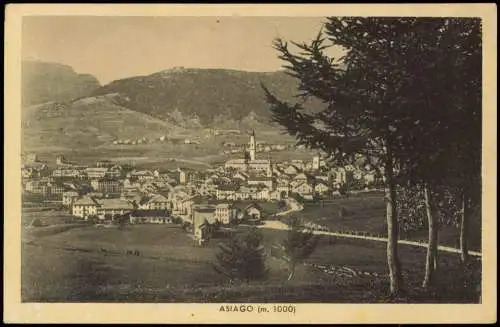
{"type": "Point", "coordinates": [87, 122]}
{"type": "Point", "coordinates": [208, 95]}
{"type": "Point", "coordinates": [44, 81]}
{"type": "Point", "coordinates": [63, 109]}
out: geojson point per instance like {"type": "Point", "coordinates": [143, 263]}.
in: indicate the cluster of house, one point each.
{"type": "Point", "coordinates": [261, 179]}
{"type": "Point", "coordinates": [228, 193]}
{"type": "Point", "coordinates": [155, 208]}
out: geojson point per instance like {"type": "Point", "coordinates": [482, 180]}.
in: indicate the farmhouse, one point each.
{"type": "Point", "coordinates": [113, 207]}
{"type": "Point", "coordinates": [155, 202]}
{"type": "Point", "coordinates": [253, 211]}
{"type": "Point", "coordinates": [150, 217]}
{"type": "Point", "coordinates": [84, 207]}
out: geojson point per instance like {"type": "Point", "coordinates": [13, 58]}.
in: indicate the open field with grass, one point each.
{"type": "Point", "coordinates": [366, 213]}
{"type": "Point", "coordinates": [89, 264]}
{"type": "Point", "coordinates": [48, 216]}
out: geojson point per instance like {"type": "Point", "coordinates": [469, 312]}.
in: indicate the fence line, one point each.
{"type": "Point", "coordinates": [384, 239]}
{"type": "Point", "coordinates": [368, 236]}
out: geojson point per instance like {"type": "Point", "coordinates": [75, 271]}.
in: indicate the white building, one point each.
{"type": "Point", "coordinates": [84, 207]}
{"type": "Point", "coordinates": [225, 213]}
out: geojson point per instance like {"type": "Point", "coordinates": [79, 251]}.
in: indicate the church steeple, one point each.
{"type": "Point", "coordinates": [252, 146]}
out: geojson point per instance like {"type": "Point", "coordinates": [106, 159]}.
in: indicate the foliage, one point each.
{"type": "Point", "coordinates": [187, 226]}
{"type": "Point", "coordinates": [176, 220]}
{"type": "Point", "coordinates": [299, 244]}
{"type": "Point", "coordinates": [411, 208]}
{"type": "Point", "coordinates": [354, 184]}
{"type": "Point", "coordinates": [408, 93]}
{"type": "Point", "coordinates": [242, 258]}
{"type": "Point", "coordinates": [216, 225]}
{"type": "Point", "coordinates": [121, 221]}
{"type": "Point", "coordinates": [94, 219]}
{"type": "Point", "coordinates": [412, 212]}
{"type": "Point", "coordinates": [363, 102]}
{"type": "Point", "coordinates": [343, 190]}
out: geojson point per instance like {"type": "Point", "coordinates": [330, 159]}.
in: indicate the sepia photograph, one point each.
{"type": "Point", "coordinates": [253, 162]}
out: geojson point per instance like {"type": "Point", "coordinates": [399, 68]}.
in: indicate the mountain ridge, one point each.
{"type": "Point", "coordinates": [48, 81]}
{"type": "Point", "coordinates": [204, 93]}
{"type": "Point", "coordinates": [174, 99]}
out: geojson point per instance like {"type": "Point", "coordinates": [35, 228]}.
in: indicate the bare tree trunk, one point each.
{"type": "Point", "coordinates": [431, 260]}
{"type": "Point", "coordinates": [464, 246]}
{"type": "Point", "coordinates": [392, 230]}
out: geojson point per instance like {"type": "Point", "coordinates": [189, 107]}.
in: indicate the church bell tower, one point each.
{"type": "Point", "coordinates": [252, 146]}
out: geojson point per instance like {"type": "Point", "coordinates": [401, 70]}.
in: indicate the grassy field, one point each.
{"type": "Point", "coordinates": [48, 216]}
{"type": "Point", "coordinates": [366, 213]}
{"type": "Point", "coordinates": [89, 264]}
{"type": "Point", "coordinates": [363, 213]}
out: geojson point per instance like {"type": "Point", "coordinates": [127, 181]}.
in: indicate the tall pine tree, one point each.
{"type": "Point", "coordinates": [242, 258]}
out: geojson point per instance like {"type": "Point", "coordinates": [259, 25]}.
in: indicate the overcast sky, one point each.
{"type": "Point", "coordinates": [116, 47]}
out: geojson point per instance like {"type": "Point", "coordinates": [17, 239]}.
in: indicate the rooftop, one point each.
{"type": "Point", "coordinates": [86, 200]}
{"type": "Point", "coordinates": [115, 204]}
